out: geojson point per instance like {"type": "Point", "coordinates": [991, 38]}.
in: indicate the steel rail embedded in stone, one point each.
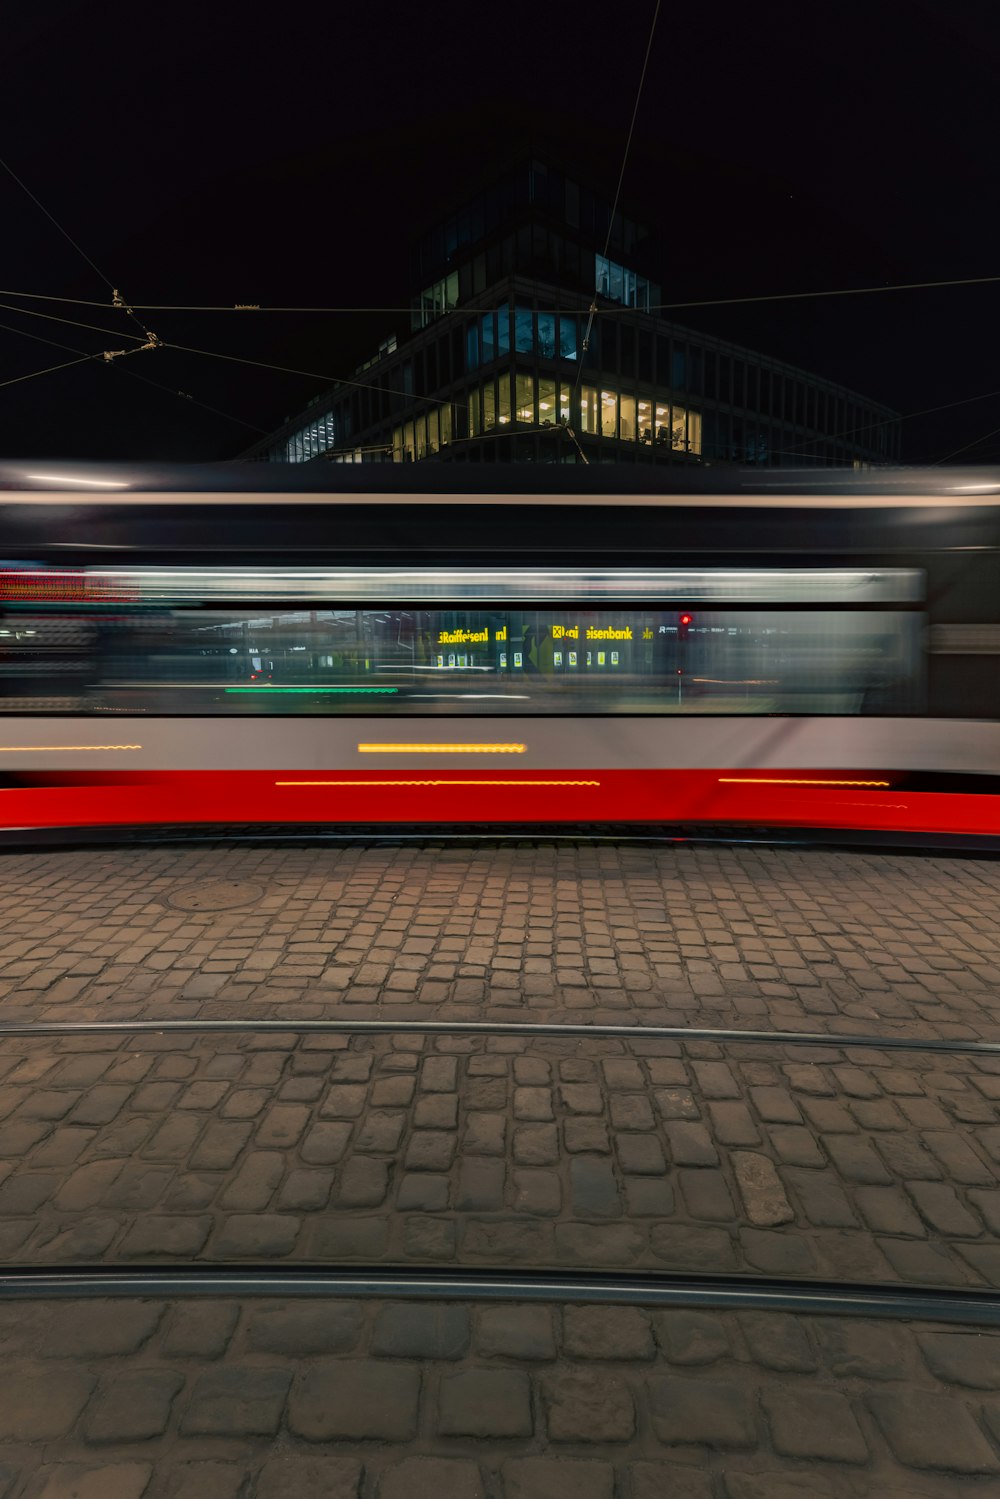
{"type": "Point", "coordinates": [490, 1028]}
{"type": "Point", "coordinates": [822, 1298]}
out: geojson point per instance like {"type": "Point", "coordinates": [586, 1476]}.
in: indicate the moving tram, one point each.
{"type": "Point", "coordinates": [466, 645]}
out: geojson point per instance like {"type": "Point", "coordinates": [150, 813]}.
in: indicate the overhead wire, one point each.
{"type": "Point", "coordinates": [133, 374]}
{"type": "Point", "coordinates": [67, 364]}
{"type": "Point", "coordinates": [621, 177]}
{"type": "Point", "coordinates": [791, 296]}
{"type": "Point", "coordinates": [116, 299]}
{"type": "Point", "coordinates": [52, 317]}
{"type": "Point", "coordinates": [331, 380]}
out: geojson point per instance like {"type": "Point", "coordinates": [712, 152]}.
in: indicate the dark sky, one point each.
{"type": "Point", "coordinates": [214, 154]}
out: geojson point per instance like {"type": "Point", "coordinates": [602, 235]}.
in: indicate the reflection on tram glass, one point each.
{"type": "Point", "coordinates": [724, 660]}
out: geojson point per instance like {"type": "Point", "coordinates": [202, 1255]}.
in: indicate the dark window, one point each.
{"type": "Point", "coordinates": [626, 335]}
{"type": "Point", "coordinates": [645, 355]}
{"type": "Point", "coordinates": [488, 337]}
{"type": "Point", "coordinates": [609, 357]}
{"type": "Point", "coordinates": [725, 378]}
{"type": "Point", "coordinates": [567, 338]}
{"type": "Point", "coordinates": [764, 399]}
{"type": "Point", "coordinates": [503, 331]}
{"type": "Point", "coordinates": [457, 350]}
{"type": "Point", "coordinates": [711, 380]}
{"type": "Point", "coordinates": [678, 367]}
{"type": "Point", "coordinates": [694, 371]}
{"type": "Point", "coordinates": [662, 359]}
{"type": "Point", "coordinates": [739, 382]}
{"type": "Point", "coordinates": [524, 341]}
{"type": "Point", "coordinates": [472, 346]}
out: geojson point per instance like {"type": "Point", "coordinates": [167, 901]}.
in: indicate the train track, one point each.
{"type": "Point", "coordinates": [737, 1293]}
{"type": "Point", "coordinates": [390, 1026]}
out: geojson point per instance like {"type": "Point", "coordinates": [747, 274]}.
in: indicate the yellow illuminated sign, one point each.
{"type": "Point", "coordinates": [442, 749]}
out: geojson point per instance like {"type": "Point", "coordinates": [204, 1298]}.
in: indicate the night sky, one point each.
{"type": "Point", "coordinates": [214, 154]}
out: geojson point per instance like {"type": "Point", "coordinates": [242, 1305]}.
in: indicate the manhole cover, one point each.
{"type": "Point", "coordinates": [215, 895]}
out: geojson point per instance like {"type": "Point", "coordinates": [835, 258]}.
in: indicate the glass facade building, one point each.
{"type": "Point", "coordinates": [503, 361]}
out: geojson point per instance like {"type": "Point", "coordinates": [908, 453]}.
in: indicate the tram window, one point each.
{"type": "Point", "coordinates": [734, 659]}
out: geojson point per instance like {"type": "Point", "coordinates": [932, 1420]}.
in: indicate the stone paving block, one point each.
{"type": "Point", "coordinates": [716, 1413]}
{"type": "Point", "coordinates": [432, 1478]}
{"type": "Point", "coordinates": [690, 1337]}
{"type": "Point", "coordinates": [305, 1329]}
{"type": "Point", "coordinates": [932, 1432]}
{"type": "Point", "coordinates": [421, 1330]}
{"type": "Point", "coordinates": [551, 1478]}
{"type": "Point", "coordinates": [683, 1247]}
{"type": "Point", "coordinates": [970, 1358]}
{"type": "Point", "coordinates": [200, 1480]}
{"type": "Point", "coordinates": [601, 1332]}
{"type": "Point", "coordinates": [760, 1187]}
{"type": "Point", "coordinates": [779, 1341]}
{"type": "Point", "coordinates": [325, 1477]}
{"type": "Point", "coordinates": [199, 1329]}
{"type": "Point", "coordinates": [586, 1405]}
{"type": "Point", "coordinates": [485, 1403]}
{"type": "Point", "coordinates": [132, 1407]}
{"type": "Point", "coordinates": [655, 1480]}
{"type": "Point", "coordinates": [85, 1330]}
{"type": "Point", "coordinates": [255, 1236]}
{"type": "Point", "coordinates": [515, 1332]}
{"type": "Point", "coordinates": [166, 1236]}
{"type": "Point", "coordinates": [855, 1349]}
{"type": "Point", "coordinates": [87, 1481]}
{"type": "Point", "coordinates": [356, 1400]}
{"type": "Point", "coordinates": [236, 1402]}
{"type": "Point", "coordinates": [815, 1424]}
{"type": "Point", "coordinates": [43, 1403]}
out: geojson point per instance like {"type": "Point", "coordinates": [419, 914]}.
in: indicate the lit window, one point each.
{"type": "Point", "coordinates": [609, 414]}
{"type": "Point", "coordinates": [627, 418]}
{"type": "Point", "coordinates": [588, 409]}
{"type": "Point", "coordinates": [645, 420]}
{"type": "Point", "coordinates": [547, 414]}
{"type": "Point", "coordinates": [503, 405]}
{"type": "Point", "coordinates": [525, 399]}
{"type": "Point", "coordinates": [564, 394]}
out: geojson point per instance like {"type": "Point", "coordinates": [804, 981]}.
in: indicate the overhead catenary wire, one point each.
{"type": "Point", "coordinates": [614, 206]}
{"type": "Point", "coordinates": [133, 374]}
{"type": "Point", "coordinates": [331, 380]}
{"type": "Point", "coordinates": [116, 299]}
{"type": "Point", "coordinates": [67, 364]}
{"type": "Point", "coordinates": [611, 310]}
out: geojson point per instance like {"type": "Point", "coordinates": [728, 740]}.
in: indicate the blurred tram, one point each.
{"type": "Point", "coordinates": [465, 645]}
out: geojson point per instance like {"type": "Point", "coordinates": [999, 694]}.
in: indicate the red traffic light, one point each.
{"type": "Point", "coordinates": [686, 619]}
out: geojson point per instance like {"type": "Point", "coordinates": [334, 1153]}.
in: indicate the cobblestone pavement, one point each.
{"type": "Point", "coordinates": [789, 939]}
{"type": "Point", "coordinates": [217, 1399]}
{"type": "Point", "coordinates": [785, 1160]}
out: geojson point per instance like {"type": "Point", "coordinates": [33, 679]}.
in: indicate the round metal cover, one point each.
{"type": "Point", "coordinates": [215, 895]}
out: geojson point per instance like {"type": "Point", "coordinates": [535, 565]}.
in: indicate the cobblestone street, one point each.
{"type": "Point", "coordinates": [217, 1399]}
{"type": "Point", "coordinates": [784, 1160]}
{"type": "Point", "coordinates": [803, 1161]}
{"type": "Point", "coordinates": [747, 937]}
